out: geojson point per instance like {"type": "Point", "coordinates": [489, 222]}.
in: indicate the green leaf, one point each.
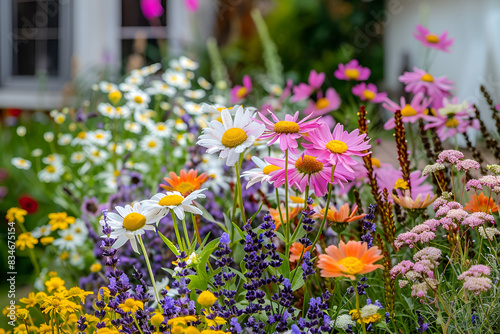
{"type": "Point", "coordinates": [197, 282]}
{"type": "Point", "coordinates": [255, 215]}
{"type": "Point", "coordinates": [240, 232]}
{"type": "Point", "coordinates": [205, 214]}
{"type": "Point", "coordinates": [169, 244]}
{"type": "Point", "coordinates": [298, 280]}
{"type": "Point", "coordinates": [284, 269]}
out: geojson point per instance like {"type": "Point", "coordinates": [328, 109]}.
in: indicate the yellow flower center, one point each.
{"type": "Point", "coordinates": [51, 169]}
{"type": "Point", "coordinates": [401, 184]}
{"type": "Point", "coordinates": [308, 165]}
{"type": "Point", "coordinates": [170, 200]}
{"type": "Point", "coordinates": [69, 237]}
{"type": "Point", "coordinates": [296, 199]}
{"type": "Point", "coordinates": [138, 99]}
{"type": "Point", "coordinates": [152, 144]}
{"type": "Point", "coordinates": [241, 92]}
{"type": "Point", "coordinates": [269, 169]}
{"type": "Point", "coordinates": [352, 265]}
{"type": "Point", "coordinates": [99, 136]}
{"type": "Point", "coordinates": [81, 135]}
{"type": "Point", "coordinates": [376, 163]}
{"type": "Point", "coordinates": [322, 103]}
{"type": "Point", "coordinates": [368, 94]}
{"type": "Point", "coordinates": [161, 127]}
{"type": "Point", "coordinates": [427, 77]}
{"type": "Point", "coordinates": [286, 127]}
{"type": "Point", "coordinates": [115, 96]}
{"type": "Point", "coordinates": [431, 38]}
{"type": "Point", "coordinates": [408, 111]}
{"type": "Point", "coordinates": [430, 111]}
{"type": "Point", "coordinates": [452, 123]}
{"type": "Point", "coordinates": [336, 146]}
{"type": "Point", "coordinates": [185, 187]}
{"type": "Point", "coordinates": [134, 221]}
{"type": "Point", "coordinates": [352, 73]}
{"type": "Point", "coordinates": [116, 173]}
{"type": "Point", "coordinates": [233, 137]}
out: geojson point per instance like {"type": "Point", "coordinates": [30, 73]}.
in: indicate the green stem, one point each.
{"type": "Point", "coordinates": [286, 227]}
{"type": "Point", "coordinates": [330, 187]}
{"type": "Point", "coordinates": [195, 225]}
{"type": "Point", "coordinates": [355, 286]}
{"type": "Point", "coordinates": [186, 233]}
{"type": "Point", "coordinates": [153, 282]}
{"type": "Point", "coordinates": [240, 193]}
{"type": "Point", "coordinates": [137, 324]}
{"type": "Point", "coordinates": [176, 229]}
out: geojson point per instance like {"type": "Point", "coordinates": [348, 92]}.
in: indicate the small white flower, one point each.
{"type": "Point", "coordinates": [65, 139]}
{"type": "Point", "coordinates": [82, 138]}
{"type": "Point", "coordinates": [69, 240]}
{"type": "Point", "coordinates": [107, 87]}
{"type": "Point", "coordinates": [161, 87]}
{"type": "Point", "coordinates": [188, 64]}
{"type": "Point", "coordinates": [100, 137]}
{"type": "Point", "coordinates": [134, 80]}
{"type": "Point", "coordinates": [36, 152]}
{"type": "Point", "coordinates": [194, 94]}
{"type": "Point", "coordinates": [129, 145]}
{"type": "Point", "coordinates": [137, 99]}
{"type": "Point", "coordinates": [160, 129]}
{"type": "Point", "coordinates": [21, 163]}
{"type": "Point", "coordinates": [116, 148]}
{"type": "Point", "coordinates": [21, 131]}
{"type": "Point", "coordinates": [41, 231]}
{"type": "Point", "coordinates": [133, 127]}
{"type": "Point", "coordinates": [259, 173]}
{"type": "Point", "coordinates": [126, 87]}
{"type": "Point", "coordinates": [52, 159]}
{"type": "Point", "coordinates": [204, 83]}
{"type": "Point", "coordinates": [161, 203]}
{"type": "Point", "coordinates": [51, 173]}
{"type": "Point", "coordinates": [77, 157]}
{"type": "Point", "coordinates": [129, 223]}
{"type": "Point", "coordinates": [343, 321]}
{"type": "Point", "coordinates": [193, 108]}
{"type": "Point", "coordinates": [176, 79]}
{"type": "Point", "coordinates": [59, 118]}
{"type": "Point", "coordinates": [95, 155]}
{"type": "Point", "coordinates": [151, 145]}
{"type": "Point", "coordinates": [180, 125]}
{"type": "Point", "coordinates": [48, 136]}
{"type": "Point", "coordinates": [106, 110]}
{"type": "Point", "coordinates": [142, 118]}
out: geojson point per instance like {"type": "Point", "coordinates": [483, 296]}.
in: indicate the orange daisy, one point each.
{"type": "Point", "coordinates": [296, 250]}
{"type": "Point", "coordinates": [481, 203]}
{"type": "Point", "coordinates": [343, 215]}
{"type": "Point", "coordinates": [349, 260]}
{"type": "Point", "coordinates": [406, 201]}
{"type": "Point", "coordinates": [292, 213]}
{"type": "Point", "coordinates": [186, 183]}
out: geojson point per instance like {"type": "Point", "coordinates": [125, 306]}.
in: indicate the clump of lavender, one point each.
{"type": "Point", "coordinates": [369, 225]}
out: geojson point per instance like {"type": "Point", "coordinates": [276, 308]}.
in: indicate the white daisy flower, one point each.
{"type": "Point", "coordinates": [231, 138]}
{"type": "Point", "coordinates": [106, 110]}
{"type": "Point", "coordinates": [65, 139]}
{"type": "Point", "coordinates": [259, 173]}
{"type": "Point", "coordinates": [51, 173]}
{"type": "Point", "coordinates": [36, 152]}
{"type": "Point", "coordinates": [129, 145]}
{"type": "Point", "coordinates": [176, 79]}
{"type": "Point", "coordinates": [137, 99]}
{"type": "Point", "coordinates": [151, 145]}
{"type": "Point", "coordinates": [133, 127]}
{"type": "Point", "coordinates": [150, 69]}
{"type": "Point", "coordinates": [77, 157]}
{"type": "Point", "coordinates": [76, 259]}
{"type": "Point", "coordinates": [193, 108]}
{"type": "Point", "coordinates": [128, 223]}
{"type": "Point", "coordinates": [21, 163]}
{"type": "Point", "coordinates": [161, 87]}
{"type": "Point", "coordinates": [161, 203]}
{"type": "Point", "coordinates": [140, 166]}
{"type": "Point", "coordinates": [107, 87]}
{"type": "Point", "coordinates": [142, 118]}
{"type": "Point", "coordinates": [59, 118]}
{"type": "Point", "coordinates": [21, 131]}
{"type": "Point", "coordinates": [218, 178]}
{"type": "Point", "coordinates": [48, 136]}
{"type": "Point", "coordinates": [122, 112]}
{"type": "Point", "coordinates": [79, 228]}
{"type": "Point", "coordinates": [100, 137]}
{"type": "Point", "coordinates": [134, 80]}
{"type": "Point", "coordinates": [41, 231]}
{"type": "Point", "coordinates": [187, 63]}
{"type": "Point", "coordinates": [126, 87]}
{"type": "Point", "coordinates": [116, 148]}
{"type": "Point", "coordinates": [82, 138]}
{"type": "Point", "coordinates": [180, 125]}
{"type": "Point", "coordinates": [175, 65]}
{"type": "Point", "coordinates": [161, 129]}
{"type": "Point", "coordinates": [204, 83]}
{"type": "Point", "coordinates": [69, 240]}
{"type": "Point", "coordinates": [194, 94]}
{"type": "Point", "coordinates": [95, 155]}
{"type": "Point", "coordinates": [110, 175]}
{"type": "Point", "coordinates": [52, 159]}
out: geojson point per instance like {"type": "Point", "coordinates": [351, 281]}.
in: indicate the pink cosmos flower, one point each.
{"type": "Point", "coordinates": [337, 147]}
{"type": "Point", "coordinates": [411, 112]}
{"type": "Point", "coordinates": [304, 170]}
{"type": "Point", "coordinates": [352, 71]}
{"type": "Point", "coordinates": [429, 40]}
{"type": "Point", "coordinates": [452, 118]}
{"type": "Point", "coordinates": [323, 105]}
{"type": "Point", "coordinates": [238, 93]}
{"type": "Point", "coordinates": [151, 8]}
{"type": "Point", "coordinates": [387, 177]}
{"type": "Point", "coordinates": [287, 131]}
{"type": "Point", "coordinates": [419, 81]}
{"type": "Point", "coordinates": [303, 91]}
{"type": "Point", "coordinates": [368, 92]}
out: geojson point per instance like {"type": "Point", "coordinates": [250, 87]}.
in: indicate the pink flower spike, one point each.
{"type": "Point", "coordinates": [287, 131]}
{"type": "Point", "coordinates": [238, 93]}
{"type": "Point", "coordinates": [429, 40]}
{"type": "Point", "coordinates": [368, 92]}
{"type": "Point", "coordinates": [411, 112]}
{"type": "Point", "coordinates": [323, 105]}
{"type": "Point", "coordinates": [316, 79]}
{"type": "Point", "coordinates": [352, 71]}
{"type": "Point", "coordinates": [151, 8]}
{"type": "Point", "coordinates": [338, 147]}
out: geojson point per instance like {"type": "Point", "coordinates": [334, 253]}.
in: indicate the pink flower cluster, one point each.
{"type": "Point", "coordinates": [451, 156]}
{"type": "Point", "coordinates": [475, 279]}
{"type": "Point", "coordinates": [420, 233]}
{"type": "Point", "coordinates": [467, 164]}
{"type": "Point", "coordinates": [478, 219]}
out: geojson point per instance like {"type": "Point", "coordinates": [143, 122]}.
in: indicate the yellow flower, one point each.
{"type": "Point", "coordinates": [191, 330]}
{"type": "Point", "coordinates": [103, 292]}
{"type": "Point", "coordinates": [206, 299]}
{"type": "Point", "coordinates": [369, 314]}
{"type": "Point", "coordinates": [30, 301]}
{"type": "Point", "coordinates": [40, 296]}
{"type": "Point", "coordinates": [95, 267]}
{"type": "Point", "coordinates": [16, 214]}
{"type": "Point", "coordinates": [181, 320]}
{"type": "Point", "coordinates": [23, 314]}
{"type": "Point", "coordinates": [26, 240]}
{"type": "Point", "coordinates": [177, 330]}
{"type": "Point", "coordinates": [77, 292]}
{"type": "Point", "coordinates": [21, 329]}
{"type": "Point", "coordinates": [72, 318]}
{"type": "Point", "coordinates": [45, 329]}
{"type": "Point", "coordinates": [106, 330]}
{"type": "Point", "coordinates": [401, 184]}
{"type": "Point", "coordinates": [131, 305]}
{"type": "Point", "coordinates": [59, 304]}
{"type": "Point", "coordinates": [46, 240]}
{"type": "Point", "coordinates": [6, 309]}
{"type": "Point", "coordinates": [52, 273]}
{"type": "Point", "coordinates": [55, 283]}
{"type": "Point", "coordinates": [214, 322]}
{"type": "Point", "coordinates": [60, 220]}
{"type": "Point", "coordinates": [157, 319]}
{"type": "Point", "coordinates": [64, 256]}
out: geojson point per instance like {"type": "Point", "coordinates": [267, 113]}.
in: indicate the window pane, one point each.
{"type": "Point", "coordinates": [132, 15]}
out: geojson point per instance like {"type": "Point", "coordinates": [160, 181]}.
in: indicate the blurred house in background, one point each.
{"type": "Point", "coordinates": [50, 47]}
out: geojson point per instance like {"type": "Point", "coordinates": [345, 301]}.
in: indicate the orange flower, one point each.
{"type": "Point", "coordinates": [481, 204]}
{"type": "Point", "coordinates": [292, 213]}
{"type": "Point", "coordinates": [349, 260]}
{"type": "Point", "coordinates": [297, 250]}
{"type": "Point", "coordinates": [340, 216]}
{"type": "Point", "coordinates": [407, 202]}
{"type": "Point", "coordinates": [186, 183]}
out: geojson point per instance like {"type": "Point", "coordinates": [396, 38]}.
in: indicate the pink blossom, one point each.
{"type": "Point", "coordinates": [451, 156]}
{"type": "Point", "coordinates": [433, 224]}
{"type": "Point", "coordinates": [467, 164]}
{"type": "Point", "coordinates": [238, 93]}
{"type": "Point", "coordinates": [478, 218]}
{"type": "Point", "coordinates": [192, 5]}
{"type": "Point", "coordinates": [368, 92]}
{"type": "Point", "coordinates": [457, 214]}
{"type": "Point", "coordinates": [473, 184]}
{"type": "Point", "coordinates": [303, 91]}
{"type": "Point", "coordinates": [387, 176]}
{"type": "Point", "coordinates": [477, 284]}
{"type": "Point", "coordinates": [420, 233]}
{"type": "Point", "coordinates": [323, 105]}
{"type": "Point", "coordinates": [151, 8]}
{"type": "Point", "coordinates": [419, 81]}
{"type": "Point", "coordinates": [352, 71]}
{"type": "Point", "coordinates": [447, 223]}
{"type": "Point", "coordinates": [476, 271]}
{"type": "Point", "coordinates": [490, 181]}
{"type": "Point", "coordinates": [441, 42]}
{"type": "Point", "coordinates": [439, 202]}
{"type": "Point", "coordinates": [401, 268]}
{"type": "Point", "coordinates": [411, 112]}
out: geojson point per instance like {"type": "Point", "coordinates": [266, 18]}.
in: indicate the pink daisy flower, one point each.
{"type": "Point", "coordinates": [411, 112]}
{"type": "Point", "coordinates": [337, 147]}
{"type": "Point", "coordinates": [323, 105]}
{"type": "Point", "coordinates": [238, 93]}
{"type": "Point", "coordinates": [287, 131]}
{"type": "Point", "coordinates": [388, 176]}
{"type": "Point", "coordinates": [303, 91]}
{"type": "Point", "coordinates": [352, 71]}
{"type": "Point", "coordinates": [453, 118]}
{"type": "Point", "coordinates": [362, 175]}
{"type": "Point", "coordinates": [420, 81]}
{"type": "Point", "coordinates": [368, 92]}
{"type": "Point", "coordinates": [429, 40]}
{"type": "Point", "coordinates": [304, 170]}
